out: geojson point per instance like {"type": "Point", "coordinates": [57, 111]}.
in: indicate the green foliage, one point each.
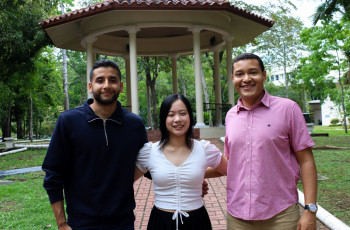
{"type": "Point", "coordinates": [21, 39]}
{"type": "Point", "coordinates": [20, 35]}
{"type": "Point", "coordinates": [334, 121]}
{"type": "Point", "coordinates": [77, 88]}
{"type": "Point", "coordinates": [328, 8]}
{"type": "Point", "coordinates": [325, 44]}
{"type": "Point", "coordinates": [280, 46]}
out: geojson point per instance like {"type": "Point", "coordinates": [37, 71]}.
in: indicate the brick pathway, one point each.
{"type": "Point", "coordinates": [215, 201]}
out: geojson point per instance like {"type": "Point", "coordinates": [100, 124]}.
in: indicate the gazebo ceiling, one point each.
{"type": "Point", "coordinates": [163, 27]}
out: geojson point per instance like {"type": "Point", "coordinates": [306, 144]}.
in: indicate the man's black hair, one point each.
{"type": "Point", "coordinates": [246, 56]}
{"type": "Point", "coordinates": [105, 63]}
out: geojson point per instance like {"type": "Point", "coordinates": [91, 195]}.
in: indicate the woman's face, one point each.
{"type": "Point", "coordinates": [178, 119]}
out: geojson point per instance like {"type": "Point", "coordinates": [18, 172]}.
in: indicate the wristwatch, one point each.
{"type": "Point", "coordinates": [311, 207]}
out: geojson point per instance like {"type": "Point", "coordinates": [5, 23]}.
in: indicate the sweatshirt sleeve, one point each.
{"type": "Point", "coordinates": [55, 161]}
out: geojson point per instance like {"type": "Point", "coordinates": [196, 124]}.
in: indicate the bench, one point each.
{"type": "Point", "coordinates": [319, 134]}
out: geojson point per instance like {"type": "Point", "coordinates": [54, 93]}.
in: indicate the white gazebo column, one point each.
{"type": "Point", "coordinates": [174, 72]}
{"type": "Point", "coordinates": [90, 59]}
{"type": "Point", "coordinates": [231, 92]}
{"type": "Point", "coordinates": [197, 76]}
{"type": "Point", "coordinates": [218, 101]}
{"type": "Point", "coordinates": [127, 81]}
{"type": "Point", "coordinates": [133, 70]}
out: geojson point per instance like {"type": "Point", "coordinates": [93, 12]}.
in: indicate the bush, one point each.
{"type": "Point", "coordinates": [335, 121]}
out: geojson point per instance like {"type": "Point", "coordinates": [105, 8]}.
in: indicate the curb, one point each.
{"type": "Point", "coordinates": [13, 151]}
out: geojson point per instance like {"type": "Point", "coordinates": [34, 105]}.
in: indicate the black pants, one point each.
{"type": "Point", "coordinates": [197, 220]}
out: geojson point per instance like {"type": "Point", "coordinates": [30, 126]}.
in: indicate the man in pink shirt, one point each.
{"type": "Point", "coordinates": [267, 144]}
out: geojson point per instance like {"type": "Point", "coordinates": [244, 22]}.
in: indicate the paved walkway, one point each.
{"type": "Point", "coordinates": [215, 201]}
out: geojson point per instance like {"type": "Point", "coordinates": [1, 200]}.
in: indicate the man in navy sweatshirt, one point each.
{"type": "Point", "coordinates": [90, 162]}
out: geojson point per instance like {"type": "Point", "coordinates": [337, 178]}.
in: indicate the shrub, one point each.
{"type": "Point", "coordinates": [334, 121]}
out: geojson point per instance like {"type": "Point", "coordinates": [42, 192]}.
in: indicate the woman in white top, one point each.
{"type": "Point", "coordinates": [177, 164]}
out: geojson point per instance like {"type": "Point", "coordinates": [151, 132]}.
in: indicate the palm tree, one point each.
{"type": "Point", "coordinates": [327, 9]}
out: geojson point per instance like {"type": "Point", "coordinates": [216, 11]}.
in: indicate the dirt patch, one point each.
{"type": "Point", "coordinates": [18, 179]}
{"type": "Point", "coordinates": [327, 147]}
{"type": "Point", "coordinates": [7, 206]}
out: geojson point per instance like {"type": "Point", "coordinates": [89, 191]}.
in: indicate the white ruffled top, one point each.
{"type": "Point", "coordinates": [178, 188]}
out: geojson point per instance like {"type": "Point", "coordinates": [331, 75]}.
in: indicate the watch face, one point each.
{"type": "Point", "coordinates": [313, 207]}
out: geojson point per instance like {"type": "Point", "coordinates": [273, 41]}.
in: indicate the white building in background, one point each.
{"type": "Point", "coordinates": [278, 78]}
{"type": "Point", "coordinates": [322, 113]}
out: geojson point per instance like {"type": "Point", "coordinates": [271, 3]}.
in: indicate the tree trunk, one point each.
{"type": "Point", "coordinates": [205, 90]}
{"type": "Point", "coordinates": [183, 85]}
{"type": "Point", "coordinates": [342, 96]}
{"type": "Point", "coordinates": [347, 54]}
{"type": "Point", "coordinates": [19, 128]}
{"type": "Point", "coordinates": [24, 127]}
{"type": "Point", "coordinates": [148, 82]}
{"type": "Point", "coordinates": [343, 103]}
{"type": "Point", "coordinates": [6, 127]}
{"type": "Point", "coordinates": [285, 71]}
{"type": "Point", "coordinates": [154, 94]}
{"type": "Point", "coordinates": [65, 80]}
{"type": "Point", "coordinates": [31, 117]}
{"type": "Point", "coordinates": [149, 117]}
{"type": "Point", "coordinates": [154, 102]}
{"type": "Point", "coordinates": [65, 77]}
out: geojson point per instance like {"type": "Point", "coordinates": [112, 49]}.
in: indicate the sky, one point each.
{"type": "Point", "coordinates": [305, 8]}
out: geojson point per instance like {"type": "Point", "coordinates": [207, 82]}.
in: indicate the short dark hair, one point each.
{"type": "Point", "coordinates": [246, 56]}
{"type": "Point", "coordinates": [105, 63]}
{"type": "Point", "coordinates": [163, 114]}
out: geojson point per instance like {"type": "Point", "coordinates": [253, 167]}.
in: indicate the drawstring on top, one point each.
{"type": "Point", "coordinates": [176, 215]}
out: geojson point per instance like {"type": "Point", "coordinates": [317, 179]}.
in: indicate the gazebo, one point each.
{"type": "Point", "coordinates": [131, 28]}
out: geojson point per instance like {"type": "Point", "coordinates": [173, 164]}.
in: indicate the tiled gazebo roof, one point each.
{"type": "Point", "coordinates": [163, 26]}
{"type": "Point", "coordinates": [153, 5]}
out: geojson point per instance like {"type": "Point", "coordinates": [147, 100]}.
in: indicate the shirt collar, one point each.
{"type": "Point", "coordinates": [90, 114]}
{"type": "Point", "coordinates": [264, 101]}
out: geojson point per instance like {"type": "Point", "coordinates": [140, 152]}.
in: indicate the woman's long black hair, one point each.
{"type": "Point", "coordinates": [164, 110]}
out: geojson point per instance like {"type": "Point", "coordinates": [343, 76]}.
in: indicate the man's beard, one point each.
{"type": "Point", "coordinates": [101, 101]}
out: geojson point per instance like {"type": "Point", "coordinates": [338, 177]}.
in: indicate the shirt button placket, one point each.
{"type": "Point", "coordinates": [249, 162]}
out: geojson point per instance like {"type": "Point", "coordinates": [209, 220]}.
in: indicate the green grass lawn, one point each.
{"type": "Point", "coordinates": [29, 158]}
{"type": "Point", "coordinates": [331, 130]}
{"type": "Point", "coordinates": [24, 203]}
{"type": "Point", "coordinates": [334, 193]}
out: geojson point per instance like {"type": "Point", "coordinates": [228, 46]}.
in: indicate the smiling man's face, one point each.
{"type": "Point", "coordinates": [248, 79]}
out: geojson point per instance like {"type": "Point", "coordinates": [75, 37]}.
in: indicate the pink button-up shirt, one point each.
{"type": "Point", "coordinates": [261, 143]}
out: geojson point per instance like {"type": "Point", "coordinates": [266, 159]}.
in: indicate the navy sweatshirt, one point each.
{"type": "Point", "coordinates": [90, 163]}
